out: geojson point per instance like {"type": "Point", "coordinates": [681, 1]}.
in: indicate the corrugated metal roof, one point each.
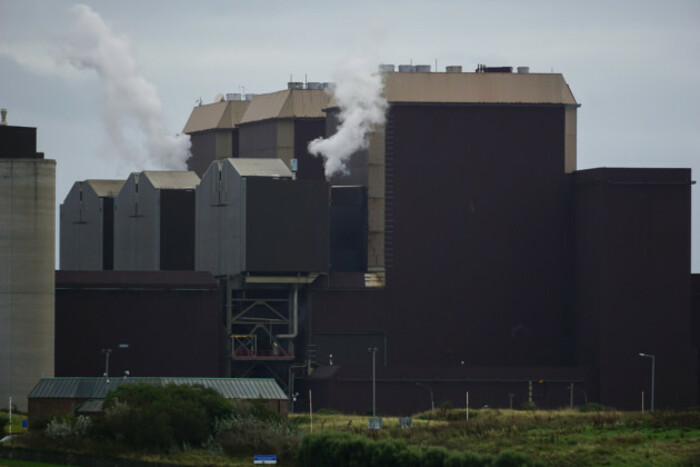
{"type": "Point", "coordinates": [477, 88]}
{"type": "Point", "coordinates": [531, 88]}
{"type": "Point", "coordinates": [218, 115]}
{"type": "Point", "coordinates": [172, 179]}
{"type": "Point", "coordinates": [261, 168]}
{"type": "Point", "coordinates": [106, 188]}
{"type": "Point", "coordinates": [294, 103]}
{"type": "Point", "coordinates": [97, 388]}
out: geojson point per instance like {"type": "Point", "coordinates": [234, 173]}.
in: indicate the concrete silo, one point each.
{"type": "Point", "coordinates": [27, 213]}
{"type": "Point", "coordinates": [154, 222]}
{"type": "Point", "coordinates": [87, 225]}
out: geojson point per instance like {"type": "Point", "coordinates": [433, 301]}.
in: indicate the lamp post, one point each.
{"type": "Point", "coordinates": [106, 352]}
{"type": "Point", "coordinates": [432, 399]}
{"type": "Point", "coordinates": [373, 351]}
{"type": "Point", "coordinates": [653, 369]}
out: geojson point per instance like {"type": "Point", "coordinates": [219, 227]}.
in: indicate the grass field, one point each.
{"type": "Point", "coordinates": [563, 437]}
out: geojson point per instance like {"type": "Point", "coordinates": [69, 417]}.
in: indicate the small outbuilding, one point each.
{"type": "Point", "coordinates": [63, 396]}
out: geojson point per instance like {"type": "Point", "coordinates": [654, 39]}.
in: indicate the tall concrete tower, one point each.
{"type": "Point", "coordinates": [27, 280]}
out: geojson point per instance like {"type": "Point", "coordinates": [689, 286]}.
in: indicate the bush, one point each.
{"type": "Point", "coordinates": [249, 436]}
{"type": "Point", "coordinates": [593, 407]}
{"type": "Point", "coordinates": [151, 417]}
{"type": "Point", "coordinates": [337, 449]}
{"type": "Point", "coordinates": [4, 420]}
{"type": "Point", "coordinates": [510, 458]}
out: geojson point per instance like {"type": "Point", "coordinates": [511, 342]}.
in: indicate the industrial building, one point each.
{"type": "Point", "coordinates": [275, 125]}
{"type": "Point", "coordinates": [462, 251]}
{"type": "Point", "coordinates": [84, 396]}
{"type": "Point", "coordinates": [154, 222]}
{"type": "Point", "coordinates": [87, 225]}
{"type": "Point", "coordinates": [144, 323]}
{"type": "Point", "coordinates": [27, 216]}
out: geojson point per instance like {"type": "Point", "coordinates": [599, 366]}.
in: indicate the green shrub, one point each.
{"type": "Point", "coordinates": [593, 407]}
{"type": "Point", "coordinates": [339, 449]}
{"type": "Point", "coordinates": [527, 405]}
{"type": "Point", "coordinates": [248, 436]}
{"type": "Point", "coordinates": [158, 418]}
{"type": "Point", "coordinates": [4, 420]}
{"type": "Point", "coordinates": [510, 458]}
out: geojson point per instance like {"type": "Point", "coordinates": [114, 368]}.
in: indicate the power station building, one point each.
{"type": "Point", "coordinates": [462, 251]}
{"type": "Point", "coordinates": [87, 225]}
{"type": "Point", "coordinates": [27, 217]}
{"type": "Point", "coordinates": [154, 222]}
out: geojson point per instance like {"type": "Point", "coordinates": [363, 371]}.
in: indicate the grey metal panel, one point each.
{"type": "Point", "coordinates": [218, 226]}
{"type": "Point", "coordinates": [136, 226]}
{"type": "Point", "coordinates": [258, 140]}
{"type": "Point", "coordinates": [97, 388]}
{"type": "Point", "coordinates": [81, 229]}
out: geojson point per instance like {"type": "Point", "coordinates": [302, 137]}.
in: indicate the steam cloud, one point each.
{"type": "Point", "coordinates": [127, 96]}
{"type": "Point", "coordinates": [359, 94]}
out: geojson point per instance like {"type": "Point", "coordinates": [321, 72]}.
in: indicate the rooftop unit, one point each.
{"type": "Point", "coordinates": [253, 218]}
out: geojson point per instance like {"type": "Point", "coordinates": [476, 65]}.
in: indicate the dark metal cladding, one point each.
{"type": "Point", "coordinates": [305, 131]}
{"type": "Point", "coordinates": [177, 230]}
{"type": "Point", "coordinates": [348, 228]}
{"type": "Point", "coordinates": [633, 283]}
{"type": "Point", "coordinates": [286, 225]}
{"type": "Point", "coordinates": [203, 151]}
{"type": "Point", "coordinates": [108, 234]}
{"type": "Point", "coordinates": [18, 142]}
{"type": "Point", "coordinates": [155, 323]}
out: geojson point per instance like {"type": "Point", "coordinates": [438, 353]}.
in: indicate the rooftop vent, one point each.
{"type": "Point", "coordinates": [295, 85]}
{"type": "Point", "coordinates": [523, 69]}
{"type": "Point", "coordinates": [249, 97]}
{"type": "Point", "coordinates": [493, 69]}
{"type": "Point", "coordinates": [453, 69]}
{"type": "Point", "coordinates": [421, 68]}
{"type": "Point", "coordinates": [406, 68]}
{"type": "Point", "coordinates": [233, 96]}
{"type": "Point", "coordinates": [314, 85]}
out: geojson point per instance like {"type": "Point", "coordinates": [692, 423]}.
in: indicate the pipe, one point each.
{"type": "Point", "coordinates": [295, 315]}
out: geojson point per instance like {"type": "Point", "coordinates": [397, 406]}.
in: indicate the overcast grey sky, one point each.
{"type": "Point", "coordinates": [633, 65]}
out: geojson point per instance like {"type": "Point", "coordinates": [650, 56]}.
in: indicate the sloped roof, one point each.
{"type": "Point", "coordinates": [290, 103]}
{"type": "Point", "coordinates": [520, 88]}
{"type": "Point", "coordinates": [476, 88]}
{"type": "Point", "coordinates": [97, 388]}
{"type": "Point", "coordinates": [172, 179]}
{"type": "Point", "coordinates": [225, 114]}
{"type": "Point", "coordinates": [261, 168]}
{"type": "Point", "coordinates": [106, 188]}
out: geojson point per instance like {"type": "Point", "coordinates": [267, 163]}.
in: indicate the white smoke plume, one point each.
{"type": "Point", "coordinates": [128, 98]}
{"type": "Point", "coordinates": [358, 92]}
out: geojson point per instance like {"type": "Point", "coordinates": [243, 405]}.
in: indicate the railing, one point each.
{"type": "Point", "coordinates": [266, 354]}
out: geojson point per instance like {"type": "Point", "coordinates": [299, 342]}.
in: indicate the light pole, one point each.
{"type": "Point", "coordinates": [373, 351]}
{"type": "Point", "coordinates": [432, 399]}
{"type": "Point", "coordinates": [106, 352]}
{"type": "Point", "coordinates": [653, 369]}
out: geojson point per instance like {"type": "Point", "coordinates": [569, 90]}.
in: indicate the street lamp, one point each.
{"type": "Point", "coordinates": [106, 352]}
{"type": "Point", "coordinates": [653, 369]}
{"type": "Point", "coordinates": [432, 399]}
{"type": "Point", "coordinates": [373, 351]}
